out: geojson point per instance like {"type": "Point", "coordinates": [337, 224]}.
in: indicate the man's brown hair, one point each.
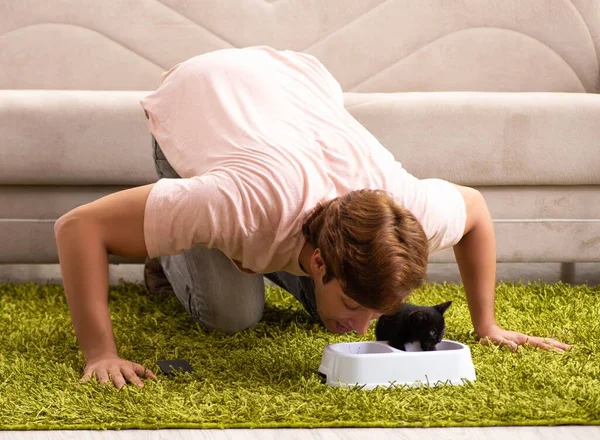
{"type": "Point", "coordinates": [375, 248]}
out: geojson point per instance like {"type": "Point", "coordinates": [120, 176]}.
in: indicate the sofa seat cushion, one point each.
{"type": "Point", "coordinates": [488, 138]}
{"type": "Point", "coordinates": [71, 137]}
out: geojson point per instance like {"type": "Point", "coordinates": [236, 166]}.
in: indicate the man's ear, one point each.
{"type": "Point", "coordinates": [317, 262]}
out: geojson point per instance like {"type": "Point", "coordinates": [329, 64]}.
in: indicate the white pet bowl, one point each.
{"type": "Point", "coordinates": [375, 363]}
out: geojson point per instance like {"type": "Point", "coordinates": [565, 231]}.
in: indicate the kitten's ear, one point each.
{"type": "Point", "coordinates": [418, 316]}
{"type": "Point", "coordinates": [443, 307]}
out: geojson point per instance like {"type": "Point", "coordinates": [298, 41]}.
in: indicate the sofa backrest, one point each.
{"type": "Point", "coordinates": [368, 45]}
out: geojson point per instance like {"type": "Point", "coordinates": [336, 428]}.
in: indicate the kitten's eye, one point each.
{"type": "Point", "coordinates": [432, 332]}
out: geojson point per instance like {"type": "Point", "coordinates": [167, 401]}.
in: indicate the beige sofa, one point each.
{"type": "Point", "coordinates": [500, 95]}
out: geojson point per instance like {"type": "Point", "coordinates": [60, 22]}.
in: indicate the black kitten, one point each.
{"type": "Point", "coordinates": [413, 323]}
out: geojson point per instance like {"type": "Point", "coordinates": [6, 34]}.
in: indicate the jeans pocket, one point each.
{"type": "Point", "coordinates": [155, 151]}
{"type": "Point", "coordinates": [162, 165]}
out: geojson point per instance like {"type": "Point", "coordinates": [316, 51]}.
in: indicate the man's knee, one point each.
{"type": "Point", "coordinates": [229, 322]}
{"type": "Point", "coordinates": [213, 291]}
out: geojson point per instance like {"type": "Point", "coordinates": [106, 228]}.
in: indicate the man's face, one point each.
{"type": "Point", "coordinates": [339, 312]}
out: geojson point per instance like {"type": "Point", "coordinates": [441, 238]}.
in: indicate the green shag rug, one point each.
{"type": "Point", "coordinates": [267, 377]}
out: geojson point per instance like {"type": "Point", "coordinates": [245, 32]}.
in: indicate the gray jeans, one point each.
{"type": "Point", "coordinates": [211, 288]}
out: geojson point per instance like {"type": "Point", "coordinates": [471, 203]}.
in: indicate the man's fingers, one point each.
{"type": "Point", "coordinates": [516, 339]}
{"type": "Point", "coordinates": [501, 342]}
{"type": "Point", "coordinates": [102, 376]}
{"type": "Point", "coordinates": [505, 342]}
{"type": "Point", "coordinates": [556, 344]}
{"type": "Point", "coordinates": [546, 344]}
{"type": "Point", "coordinates": [117, 378]}
{"type": "Point", "coordinates": [142, 371]}
{"type": "Point", "coordinates": [485, 341]}
{"type": "Point", "coordinates": [132, 377]}
{"type": "Point", "coordinates": [543, 343]}
{"type": "Point", "coordinates": [86, 377]}
{"type": "Point", "coordinates": [119, 375]}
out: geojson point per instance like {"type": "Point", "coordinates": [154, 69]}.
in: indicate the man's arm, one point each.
{"type": "Point", "coordinates": [84, 237]}
{"type": "Point", "coordinates": [476, 257]}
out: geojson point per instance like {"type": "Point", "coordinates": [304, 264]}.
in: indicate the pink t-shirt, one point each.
{"type": "Point", "coordinates": [259, 137]}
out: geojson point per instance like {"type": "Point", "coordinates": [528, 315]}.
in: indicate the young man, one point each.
{"type": "Point", "coordinates": [264, 173]}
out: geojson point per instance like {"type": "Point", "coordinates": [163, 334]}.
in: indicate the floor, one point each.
{"type": "Point", "coordinates": [494, 433]}
{"type": "Point", "coordinates": [551, 272]}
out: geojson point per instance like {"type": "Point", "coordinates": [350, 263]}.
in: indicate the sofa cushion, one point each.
{"type": "Point", "coordinates": [471, 138]}
{"type": "Point", "coordinates": [488, 138]}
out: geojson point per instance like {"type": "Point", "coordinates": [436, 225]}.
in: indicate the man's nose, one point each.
{"type": "Point", "coordinates": [361, 324]}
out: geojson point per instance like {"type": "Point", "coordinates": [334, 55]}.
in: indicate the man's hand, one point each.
{"type": "Point", "coordinates": [111, 367]}
{"type": "Point", "coordinates": [512, 340]}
